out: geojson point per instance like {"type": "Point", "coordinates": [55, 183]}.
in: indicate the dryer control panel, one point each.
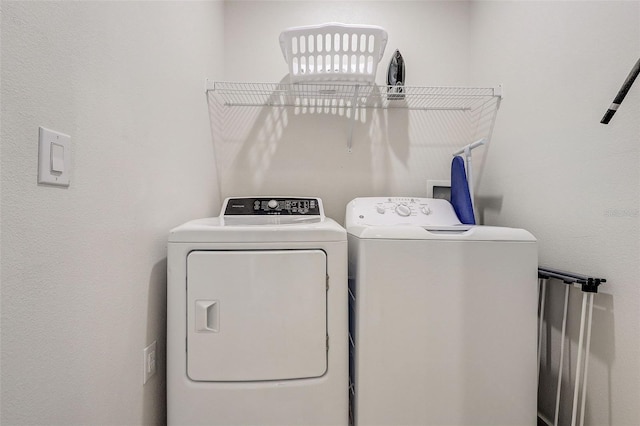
{"type": "Point", "coordinates": [271, 211]}
{"type": "Point", "coordinates": [394, 211]}
{"type": "Point", "coordinates": [260, 206]}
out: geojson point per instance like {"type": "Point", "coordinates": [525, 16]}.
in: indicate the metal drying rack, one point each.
{"type": "Point", "coordinates": [589, 286]}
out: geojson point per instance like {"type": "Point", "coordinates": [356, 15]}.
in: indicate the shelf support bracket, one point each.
{"type": "Point", "coordinates": [209, 85]}
{"type": "Point", "coordinates": [353, 118]}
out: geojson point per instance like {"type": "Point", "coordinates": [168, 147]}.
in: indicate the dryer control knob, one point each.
{"type": "Point", "coordinates": [380, 208]}
{"type": "Point", "coordinates": [272, 204]}
{"type": "Point", "coordinates": [403, 210]}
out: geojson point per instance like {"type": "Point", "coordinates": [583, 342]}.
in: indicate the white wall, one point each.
{"type": "Point", "coordinates": [280, 152]}
{"type": "Point", "coordinates": [84, 268]}
{"type": "Point", "coordinates": [575, 183]}
{"type": "Point", "coordinates": [551, 167]}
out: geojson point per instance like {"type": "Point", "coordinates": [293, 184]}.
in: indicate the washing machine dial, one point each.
{"type": "Point", "coordinates": [380, 208]}
{"type": "Point", "coordinates": [426, 210]}
{"type": "Point", "coordinates": [272, 204]}
{"type": "Point", "coordinates": [403, 210]}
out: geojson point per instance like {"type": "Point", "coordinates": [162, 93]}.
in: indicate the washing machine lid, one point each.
{"type": "Point", "coordinates": [408, 232]}
{"type": "Point", "coordinates": [417, 219]}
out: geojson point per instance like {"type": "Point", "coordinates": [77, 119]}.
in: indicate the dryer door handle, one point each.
{"type": "Point", "coordinates": [207, 316]}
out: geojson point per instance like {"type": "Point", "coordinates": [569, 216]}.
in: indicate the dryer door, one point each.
{"type": "Point", "coordinates": [256, 315]}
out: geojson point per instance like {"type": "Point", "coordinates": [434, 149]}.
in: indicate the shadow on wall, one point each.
{"type": "Point", "coordinates": [601, 356]}
{"type": "Point", "coordinates": [259, 147]}
{"type": "Point", "coordinates": [154, 391]}
{"type": "Point", "coordinates": [486, 204]}
{"type": "Point", "coordinates": [302, 149]}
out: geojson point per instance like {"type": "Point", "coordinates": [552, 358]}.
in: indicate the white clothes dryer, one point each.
{"type": "Point", "coordinates": [257, 316]}
{"type": "Point", "coordinates": [442, 317]}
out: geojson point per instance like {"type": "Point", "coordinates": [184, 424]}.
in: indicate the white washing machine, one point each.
{"type": "Point", "coordinates": [443, 317]}
{"type": "Point", "coordinates": [257, 316]}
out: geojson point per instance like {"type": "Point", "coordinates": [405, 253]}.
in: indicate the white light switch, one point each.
{"type": "Point", "coordinates": [54, 157]}
{"type": "Point", "coordinates": [57, 158]}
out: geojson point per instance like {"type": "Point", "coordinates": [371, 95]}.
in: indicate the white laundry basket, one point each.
{"type": "Point", "coordinates": [333, 52]}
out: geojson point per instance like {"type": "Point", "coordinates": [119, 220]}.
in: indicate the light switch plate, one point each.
{"type": "Point", "coordinates": [54, 157]}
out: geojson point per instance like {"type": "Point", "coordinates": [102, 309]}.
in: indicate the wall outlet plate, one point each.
{"type": "Point", "coordinates": [54, 157]}
{"type": "Point", "coordinates": [150, 361]}
{"type": "Point", "coordinates": [439, 189]}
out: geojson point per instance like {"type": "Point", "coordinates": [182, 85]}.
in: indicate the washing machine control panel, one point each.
{"type": "Point", "coordinates": [283, 206]}
{"type": "Point", "coordinates": [392, 211]}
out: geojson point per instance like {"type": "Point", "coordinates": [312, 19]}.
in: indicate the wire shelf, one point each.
{"type": "Point", "coordinates": [352, 95]}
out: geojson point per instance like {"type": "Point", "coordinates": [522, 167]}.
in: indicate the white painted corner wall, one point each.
{"type": "Point", "coordinates": [555, 170]}
{"type": "Point", "coordinates": [297, 152]}
{"type": "Point", "coordinates": [551, 167]}
{"type": "Point", "coordinates": [84, 268]}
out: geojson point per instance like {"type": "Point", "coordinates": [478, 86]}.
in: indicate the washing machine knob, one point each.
{"type": "Point", "coordinates": [426, 210]}
{"type": "Point", "coordinates": [272, 204]}
{"type": "Point", "coordinates": [403, 210]}
{"type": "Point", "coordinates": [380, 208]}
